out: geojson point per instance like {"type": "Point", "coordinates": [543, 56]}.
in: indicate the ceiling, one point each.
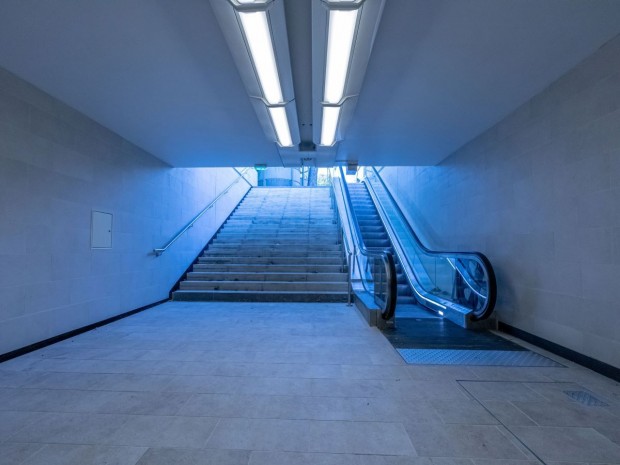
{"type": "Point", "coordinates": [160, 73]}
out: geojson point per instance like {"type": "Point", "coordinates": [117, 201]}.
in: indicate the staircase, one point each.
{"type": "Point", "coordinates": [279, 245]}
{"type": "Point", "coordinates": [375, 236]}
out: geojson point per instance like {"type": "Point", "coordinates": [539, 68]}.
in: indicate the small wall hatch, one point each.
{"type": "Point", "coordinates": [101, 230]}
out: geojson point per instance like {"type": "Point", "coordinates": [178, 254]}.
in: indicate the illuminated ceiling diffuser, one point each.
{"type": "Point", "coordinates": [340, 34]}
{"type": "Point", "coordinates": [341, 31]}
{"type": "Point", "coordinates": [257, 37]}
{"type": "Point", "coordinates": [256, 29]}
{"type": "Point", "coordinates": [345, 32]}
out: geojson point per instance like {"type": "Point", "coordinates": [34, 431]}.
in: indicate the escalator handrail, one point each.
{"type": "Point", "coordinates": [484, 261]}
{"type": "Point", "coordinates": [385, 256]}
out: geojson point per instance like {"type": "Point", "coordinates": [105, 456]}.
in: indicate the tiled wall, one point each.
{"type": "Point", "coordinates": [56, 166]}
{"type": "Point", "coordinates": [539, 193]}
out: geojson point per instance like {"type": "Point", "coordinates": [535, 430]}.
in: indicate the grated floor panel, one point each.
{"type": "Point", "coordinates": [585, 398]}
{"type": "Point", "coordinates": [515, 358]}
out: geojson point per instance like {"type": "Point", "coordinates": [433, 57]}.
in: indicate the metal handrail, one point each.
{"type": "Point", "coordinates": [165, 247]}
{"type": "Point", "coordinates": [242, 174]}
{"type": "Point", "coordinates": [386, 257]}
{"type": "Point", "coordinates": [450, 256]}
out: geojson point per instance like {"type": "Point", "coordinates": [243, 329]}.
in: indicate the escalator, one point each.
{"type": "Point", "coordinates": [375, 236]}
{"type": "Point", "coordinates": [457, 286]}
{"type": "Point", "coordinates": [443, 299]}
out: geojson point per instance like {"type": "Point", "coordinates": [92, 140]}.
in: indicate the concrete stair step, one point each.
{"type": "Point", "coordinates": [268, 268]}
{"type": "Point", "coordinates": [276, 243]}
{"type": "Point", "coordinates": [276, 260]}
{"type": "Point", "coordinates": [250, 248]}
{"type": "Point", "coordinates": [272, 286]}
{"type": "Point", "coordinates": [258, 296]}
{"type": "Point", "coordinates": [280, 244]}
{"type": "Point", "coordinates": [332, 230]}
{"type": "Point", "coordinates": [266, 276]}
{"type": "Point", "coordinates": [300, 235]}
{"type": "Point", "coordinates": [267, 222]}
{"type": "Point", "coordinates": [298, 208]}
{"type": "Point", "coordinates": [281, 226]}
{"type": "Point", "coordinates": [260, 241]}
{"type": "Point", "coordinates": [282, 251]}
{"type": "Point", "coordinates": [292, 216]}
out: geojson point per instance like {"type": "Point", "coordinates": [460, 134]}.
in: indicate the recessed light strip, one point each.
{"type": "Point", "coordinates": [339, 45]}
{"type": "Point", "coordinates": [330, 124]}
{"type": "Point", "coordinates": [280, 123]}
{"type": "Point", "coordinates": [258, 37]}
{"type": "Point", "coordinates": [340, 35]}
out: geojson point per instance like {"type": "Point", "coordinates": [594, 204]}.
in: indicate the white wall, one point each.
{"type": "Point", "coordinates": [56, 166]}
{"type": "Point", "coordinates": [539, 193]}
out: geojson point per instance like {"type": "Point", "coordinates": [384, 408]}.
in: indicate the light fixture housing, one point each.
{"type": "Point", "coordinates": [257, 37]}
{"type": "Point", "coordinates": [343, 34]}
{"type": "Point", "coordinates": [329, 125]}
{"type": "Point", "coordinates": [280, 124]}
{"type": "Point", "coordinates": [340, 35]}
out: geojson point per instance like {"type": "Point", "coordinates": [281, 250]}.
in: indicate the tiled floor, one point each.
{"type": "Point", "coordinates": [294, 384]}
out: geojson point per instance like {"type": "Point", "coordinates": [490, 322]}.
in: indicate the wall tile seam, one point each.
{"type": "Point", "coordinates": [575, 97]}
{"type": "Point", "coordinates": [125, 145]}
{"type": "Point", "coordinates": [480, 138]}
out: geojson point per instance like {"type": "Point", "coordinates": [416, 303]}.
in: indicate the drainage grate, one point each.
{"type": "Point", "coordinates": [585, 398]}
{"type": "Point", "coordinates": [513, 358]}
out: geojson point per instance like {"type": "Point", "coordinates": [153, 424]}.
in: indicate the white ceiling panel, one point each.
{"type": "Point", "coordinates": [160, 74]}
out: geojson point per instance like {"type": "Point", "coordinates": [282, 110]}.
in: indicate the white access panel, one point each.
{"type": "Point", "coordinates": [101, 230]}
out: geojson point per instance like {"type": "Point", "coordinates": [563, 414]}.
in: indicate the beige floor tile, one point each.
{"type": "Point", "coordinates": [569, 444]}
{"type": "Point", "coordinates": [312, 436]}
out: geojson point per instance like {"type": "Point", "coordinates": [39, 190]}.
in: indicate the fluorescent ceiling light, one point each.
{"type": "Point", "coordinates": [280, 123]}
{"type": "Point", "coordinates": [256, 28]}
{"type": "Point", "coordinates": [339, 44]}
{"type": "Point", "coordinates": [330, 123]}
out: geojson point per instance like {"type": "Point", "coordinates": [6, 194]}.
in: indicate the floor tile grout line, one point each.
{"type": "Point", "coordinates": [204, 446]}
{"type": "Point", "coordinates": [110, 414]}
{"type": "Point", "coordinates": [32, 455]}
{"type": "Point", "coordinates": [505, 426]}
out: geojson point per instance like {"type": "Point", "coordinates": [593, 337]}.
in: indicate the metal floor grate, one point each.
{"type": "Point", "coordinates": [513, 358]}
{"type": "Point", "coordinates": [585, 398]}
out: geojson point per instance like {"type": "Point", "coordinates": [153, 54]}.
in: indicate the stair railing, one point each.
{"type": "Point", "coordinates": [166, 246]}
{"type": "Point", "coordinates": [374, 269]}
{"type": "Point", "coordinates": [459, 285]}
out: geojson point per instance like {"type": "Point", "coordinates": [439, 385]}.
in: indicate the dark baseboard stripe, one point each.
{"type": "Point", "coordinates": [74, 332]}
{"type": "Point", "coordinates": [569, 354]}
